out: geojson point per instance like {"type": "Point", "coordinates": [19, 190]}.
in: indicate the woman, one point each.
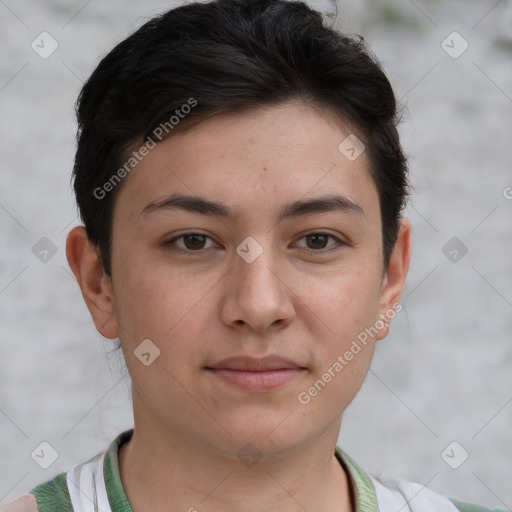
{"type": "Point", "coordinates": [241, 182]}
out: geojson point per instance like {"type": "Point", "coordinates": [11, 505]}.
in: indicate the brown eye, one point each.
{"type": "Point", "coordinates": [189, 242]}
{"type": "Point", "coordinates": [194, 242]}
{"type": "Point", "coordinates": [317, 242]}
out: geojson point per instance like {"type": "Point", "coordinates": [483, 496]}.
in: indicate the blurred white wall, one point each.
{"type": "Point", "coordinates": [444, 372]}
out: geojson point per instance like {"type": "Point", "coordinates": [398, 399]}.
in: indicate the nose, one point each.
{"type": "Point", "coordinates": [257, 295]}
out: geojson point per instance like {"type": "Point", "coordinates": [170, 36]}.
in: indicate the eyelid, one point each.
{"type": "Point", "coordinates": [339, 242]}
{"type": "Point", "coordinates": [172, 242]}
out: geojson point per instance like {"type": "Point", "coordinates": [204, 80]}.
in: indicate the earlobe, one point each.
{"type": "Point", "coordinates": [394, 278]}
{"type": "Point", "coordinates": [94, 284]}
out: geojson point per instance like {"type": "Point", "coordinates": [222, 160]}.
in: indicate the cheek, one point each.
{"type": "Point", "coordinates": [342, 312]}
{"type": "Point", "coordinates": [169, 307]}
{"type": "Point", "coordinates": [346, 302]}
{"type": "Point", "coordinates": [165, 308]}
{"type": "Point", "coordinates": [153, 300]}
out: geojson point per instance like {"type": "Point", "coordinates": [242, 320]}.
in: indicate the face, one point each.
{"type": "Point", "coordinates": [276, 250]}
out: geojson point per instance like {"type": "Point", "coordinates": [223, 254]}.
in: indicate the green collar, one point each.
{"type": "Point", "coordinates": [115, 490]}
{"type": "Point", "coordinates": [361, 486]}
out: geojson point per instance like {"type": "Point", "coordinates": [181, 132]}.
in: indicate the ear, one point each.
{"type": "Point", "coordinates": [94, 283]}
{"type": "Point", "coordinates": [394, 278]}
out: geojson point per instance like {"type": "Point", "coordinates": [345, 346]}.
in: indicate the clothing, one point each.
{"type": "Point", "coordinates": [95, 486]}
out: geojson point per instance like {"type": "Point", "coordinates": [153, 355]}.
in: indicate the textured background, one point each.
{"type": "Point", "coordinates": [442, 375]}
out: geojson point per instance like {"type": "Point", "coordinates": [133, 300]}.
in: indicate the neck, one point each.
{"type": "Point", "coordinates": [164, 471]}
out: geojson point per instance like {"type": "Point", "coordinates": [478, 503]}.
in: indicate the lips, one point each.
{"type": "Point", "coordinates": [251, 364]}
{"type": "Point", "coordinates": [256, 374]}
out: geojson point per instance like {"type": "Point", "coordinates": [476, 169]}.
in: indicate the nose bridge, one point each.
{"type": "Point", "coordinates": [258, 296]}
{"type": "Point", "coordinates": [255, 266]}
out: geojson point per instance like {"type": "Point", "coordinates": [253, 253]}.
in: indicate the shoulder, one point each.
{"type": "Point", "coordinates": [463, 506]}
{"type": "Point", "coordinates": [51, 496]}
{"type": "Point", "coordinates": [380, 494]}
{"type": "Point", "coordinates": [26, 503]}
{"type": "Point", "coordinates": [417, 497]}
{"type": "Point", "coordinates": [79, 486]}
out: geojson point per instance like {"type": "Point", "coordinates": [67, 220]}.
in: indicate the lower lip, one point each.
{"type": "Point", "coordinates": [257, 381]}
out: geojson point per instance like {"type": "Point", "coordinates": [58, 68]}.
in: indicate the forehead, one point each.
{"type": "Point", "coordinates": [253, 161]}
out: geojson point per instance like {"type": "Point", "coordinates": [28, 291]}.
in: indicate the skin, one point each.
{"type": "Point", "coordinates": [303, 298]}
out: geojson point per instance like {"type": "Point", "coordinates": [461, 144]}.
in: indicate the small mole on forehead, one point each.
{"type": "Point", "coordinates": [264, 168]}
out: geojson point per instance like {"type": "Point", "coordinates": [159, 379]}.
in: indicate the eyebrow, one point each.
{"type": "Point", "coordinates": [295, 209]}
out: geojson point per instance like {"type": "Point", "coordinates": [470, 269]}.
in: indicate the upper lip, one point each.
{"type": "Point", "coordinates": [253, 364]}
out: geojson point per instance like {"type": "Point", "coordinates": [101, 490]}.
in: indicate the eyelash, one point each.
{"type": "Point", "coordinates": [338, 244]}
